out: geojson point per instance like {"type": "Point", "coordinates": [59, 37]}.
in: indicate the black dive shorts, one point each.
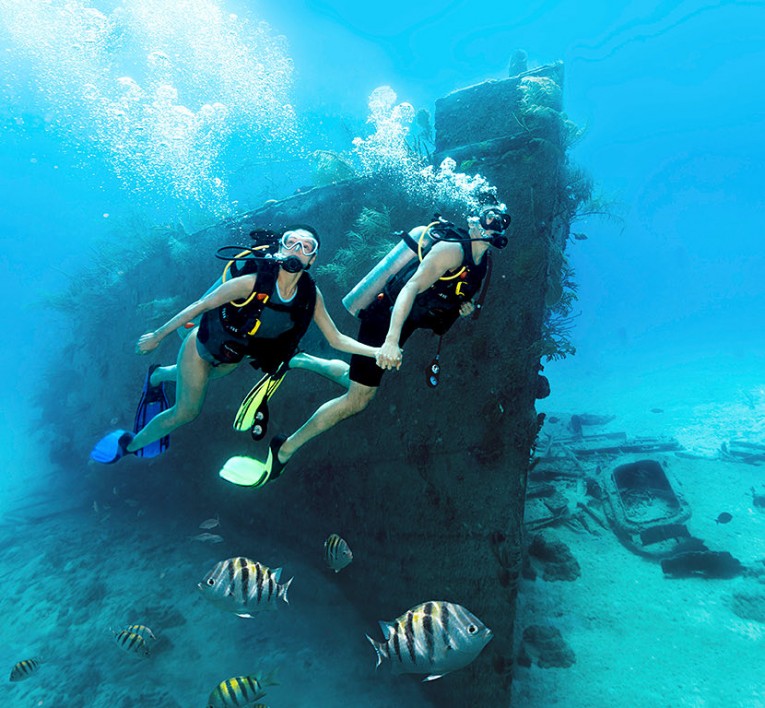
{"type": "Point", "coordinates": [375, 321]}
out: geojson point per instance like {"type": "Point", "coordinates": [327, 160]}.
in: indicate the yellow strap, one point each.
{"type": "Point", "coordinates": [419, 252]}
{"type": "Point", "coordinates": [226, 270]}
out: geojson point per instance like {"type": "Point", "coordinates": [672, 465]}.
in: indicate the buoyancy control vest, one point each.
{"type": "Point", "coordinates": [438, 307]}
{"type": "Point", "coordinates": [230, 332]}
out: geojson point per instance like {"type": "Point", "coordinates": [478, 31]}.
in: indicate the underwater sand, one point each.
{"type": "Point", "coordinates": [72, 576]}
{"type": "Point", "coordinates": [641, 639]}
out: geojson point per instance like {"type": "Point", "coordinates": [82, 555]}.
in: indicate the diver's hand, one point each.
{"type": "Point", "coordinates": [467, 308]}
{"type": "Point", "coordinates": [147, 343]}
{"type": "Point", "coordinates": [389, 356]}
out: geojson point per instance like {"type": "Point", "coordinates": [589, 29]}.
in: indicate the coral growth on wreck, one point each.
{"type": "Point", "coordinates": [368, 241]}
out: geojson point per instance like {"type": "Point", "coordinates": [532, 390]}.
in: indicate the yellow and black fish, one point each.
{"type": "Point", "coordinates": [337, 553]}
{"type": "Point", "coordinates": [22, 670]}
{"type": "Point", "coordinates": [243, 586]}
{"type": "Point", "coordinates": [433, 638]}
{"type": "Point", "coordinates": [240, 691]}
{"type": "Point", "coordinates": [141, 629]}
{"type": "Point", "coordinates": [133, 643]}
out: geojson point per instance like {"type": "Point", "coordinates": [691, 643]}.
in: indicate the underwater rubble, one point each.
{"type": "Point", "coordinates": [593, 482]}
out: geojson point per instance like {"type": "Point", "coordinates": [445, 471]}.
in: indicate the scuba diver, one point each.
{"type": "Point", "coordinates": [260, 311]}
{"type": "Point", "coordinates": [429, 292]}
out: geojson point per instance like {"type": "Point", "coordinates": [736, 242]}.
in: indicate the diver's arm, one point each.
{"type": "Point", "coordinates": [234, 289]}
{"type": "Point", "coordinates": [442, 258]}
{"type": "Point", "coordinates": [335, 338]}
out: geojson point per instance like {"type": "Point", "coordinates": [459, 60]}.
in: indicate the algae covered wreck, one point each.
{"type": "Point", "coordinates": [429, 483]}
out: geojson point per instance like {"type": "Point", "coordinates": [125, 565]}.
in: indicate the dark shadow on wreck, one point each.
{"type": "Point", "coordinates": [428, 483]}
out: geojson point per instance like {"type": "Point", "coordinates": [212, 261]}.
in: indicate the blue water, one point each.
{"type": "Point", "coordinates": [671, 294]}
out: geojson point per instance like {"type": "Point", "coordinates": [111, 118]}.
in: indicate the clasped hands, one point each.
{"type": "Point", "coordinates": [389, 356]}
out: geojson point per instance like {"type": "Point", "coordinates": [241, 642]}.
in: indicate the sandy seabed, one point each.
{"type": "Point", "coordinates": [71, 577]}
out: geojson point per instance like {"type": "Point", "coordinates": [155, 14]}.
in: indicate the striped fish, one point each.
{"type": "Point", "coordinates": [141, 629]}
{"type": "Point", "coordinates": [240, 691]}
{"type": "Point", "coordinates": [22, 670]}
{"type": "Point", "coordinates": [337, 553]}
{"type": "Point", "coordinates": [132, 642]}
{"type": "Point", "coordinates": [243, 586]}
{"type": "Point", "coordinates": [433, 638]}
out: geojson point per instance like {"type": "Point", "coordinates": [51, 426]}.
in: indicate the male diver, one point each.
{"type": "Point", "coordinates": [260, 315]}
{"type": "Point", "coordinates": [431, 295]}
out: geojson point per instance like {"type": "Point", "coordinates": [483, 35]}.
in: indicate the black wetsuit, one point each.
{"type": "Point", "coordinates": [437, 309]}
{"type": "Point", "coordinates": [259, 330]}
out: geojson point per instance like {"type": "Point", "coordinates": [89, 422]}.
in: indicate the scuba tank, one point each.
{"type": "Point", "coordinates": [416, 245]}
{"type": "Point", "coordinates": [403, 253]}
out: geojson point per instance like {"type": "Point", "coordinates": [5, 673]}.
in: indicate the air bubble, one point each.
{"type": "Point", "coordinates": [166, 94]}
{"type": "Point", "coordinates": [90, 92]}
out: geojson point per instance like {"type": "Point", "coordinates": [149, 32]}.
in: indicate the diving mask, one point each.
{"type": "Point", "coordinates": [292, 241]}
{"type": "Point", "coordinates": [494, 219]}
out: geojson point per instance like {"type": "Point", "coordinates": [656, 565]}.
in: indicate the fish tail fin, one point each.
{"type": "Point", "coordinates": [270, 678]}
{"type": "Point", "coordinates": [283, 590]}
{"type": "Point", "coordinates": [380, 649]}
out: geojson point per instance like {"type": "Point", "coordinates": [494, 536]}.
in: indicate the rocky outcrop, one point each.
{"type": "Point", "coordinates": [544, 646]}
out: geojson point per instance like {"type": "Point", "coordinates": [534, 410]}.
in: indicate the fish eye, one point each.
{"type": "Point", "coordinates": [472, 629]}
{"type": "Point", "coordinates": [210, 582]}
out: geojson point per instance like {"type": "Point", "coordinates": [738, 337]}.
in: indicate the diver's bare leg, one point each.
{"type": "Point", "coordinates": [193, 376]}
{"type": "Point", "coordinates": [355, 400]}
{"type": "Point", "coordinates": [164, 374]}
{"type": "Point", "coordinates": [169, 374]}
{"type": "Point", "coordinates": [333, 369]}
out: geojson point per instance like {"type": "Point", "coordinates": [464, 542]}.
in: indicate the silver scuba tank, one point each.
{"type": "Point", "coordinates": [367, 289]}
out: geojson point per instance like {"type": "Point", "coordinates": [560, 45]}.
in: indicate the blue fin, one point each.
{"type": "Point", "coordinates": [111, 447]}
{"type": "Point", "coordinates": [153, 402]}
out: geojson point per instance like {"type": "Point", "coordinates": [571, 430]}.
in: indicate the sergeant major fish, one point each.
{"type": "Point", "coordinates": [22, 670]}
{"type": "Point", "coordinates": [337, 553]}
{"type": "Point", "coordinates": [133, 643]}
{"type": "Point", "coordinates": [433, 638]}
{"type": "Point", "coordinates": [240, 691]}
{"type": "Point", "coordinates": [243, 586]}
{"type": "Point", "coordinates": [141, 629]}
